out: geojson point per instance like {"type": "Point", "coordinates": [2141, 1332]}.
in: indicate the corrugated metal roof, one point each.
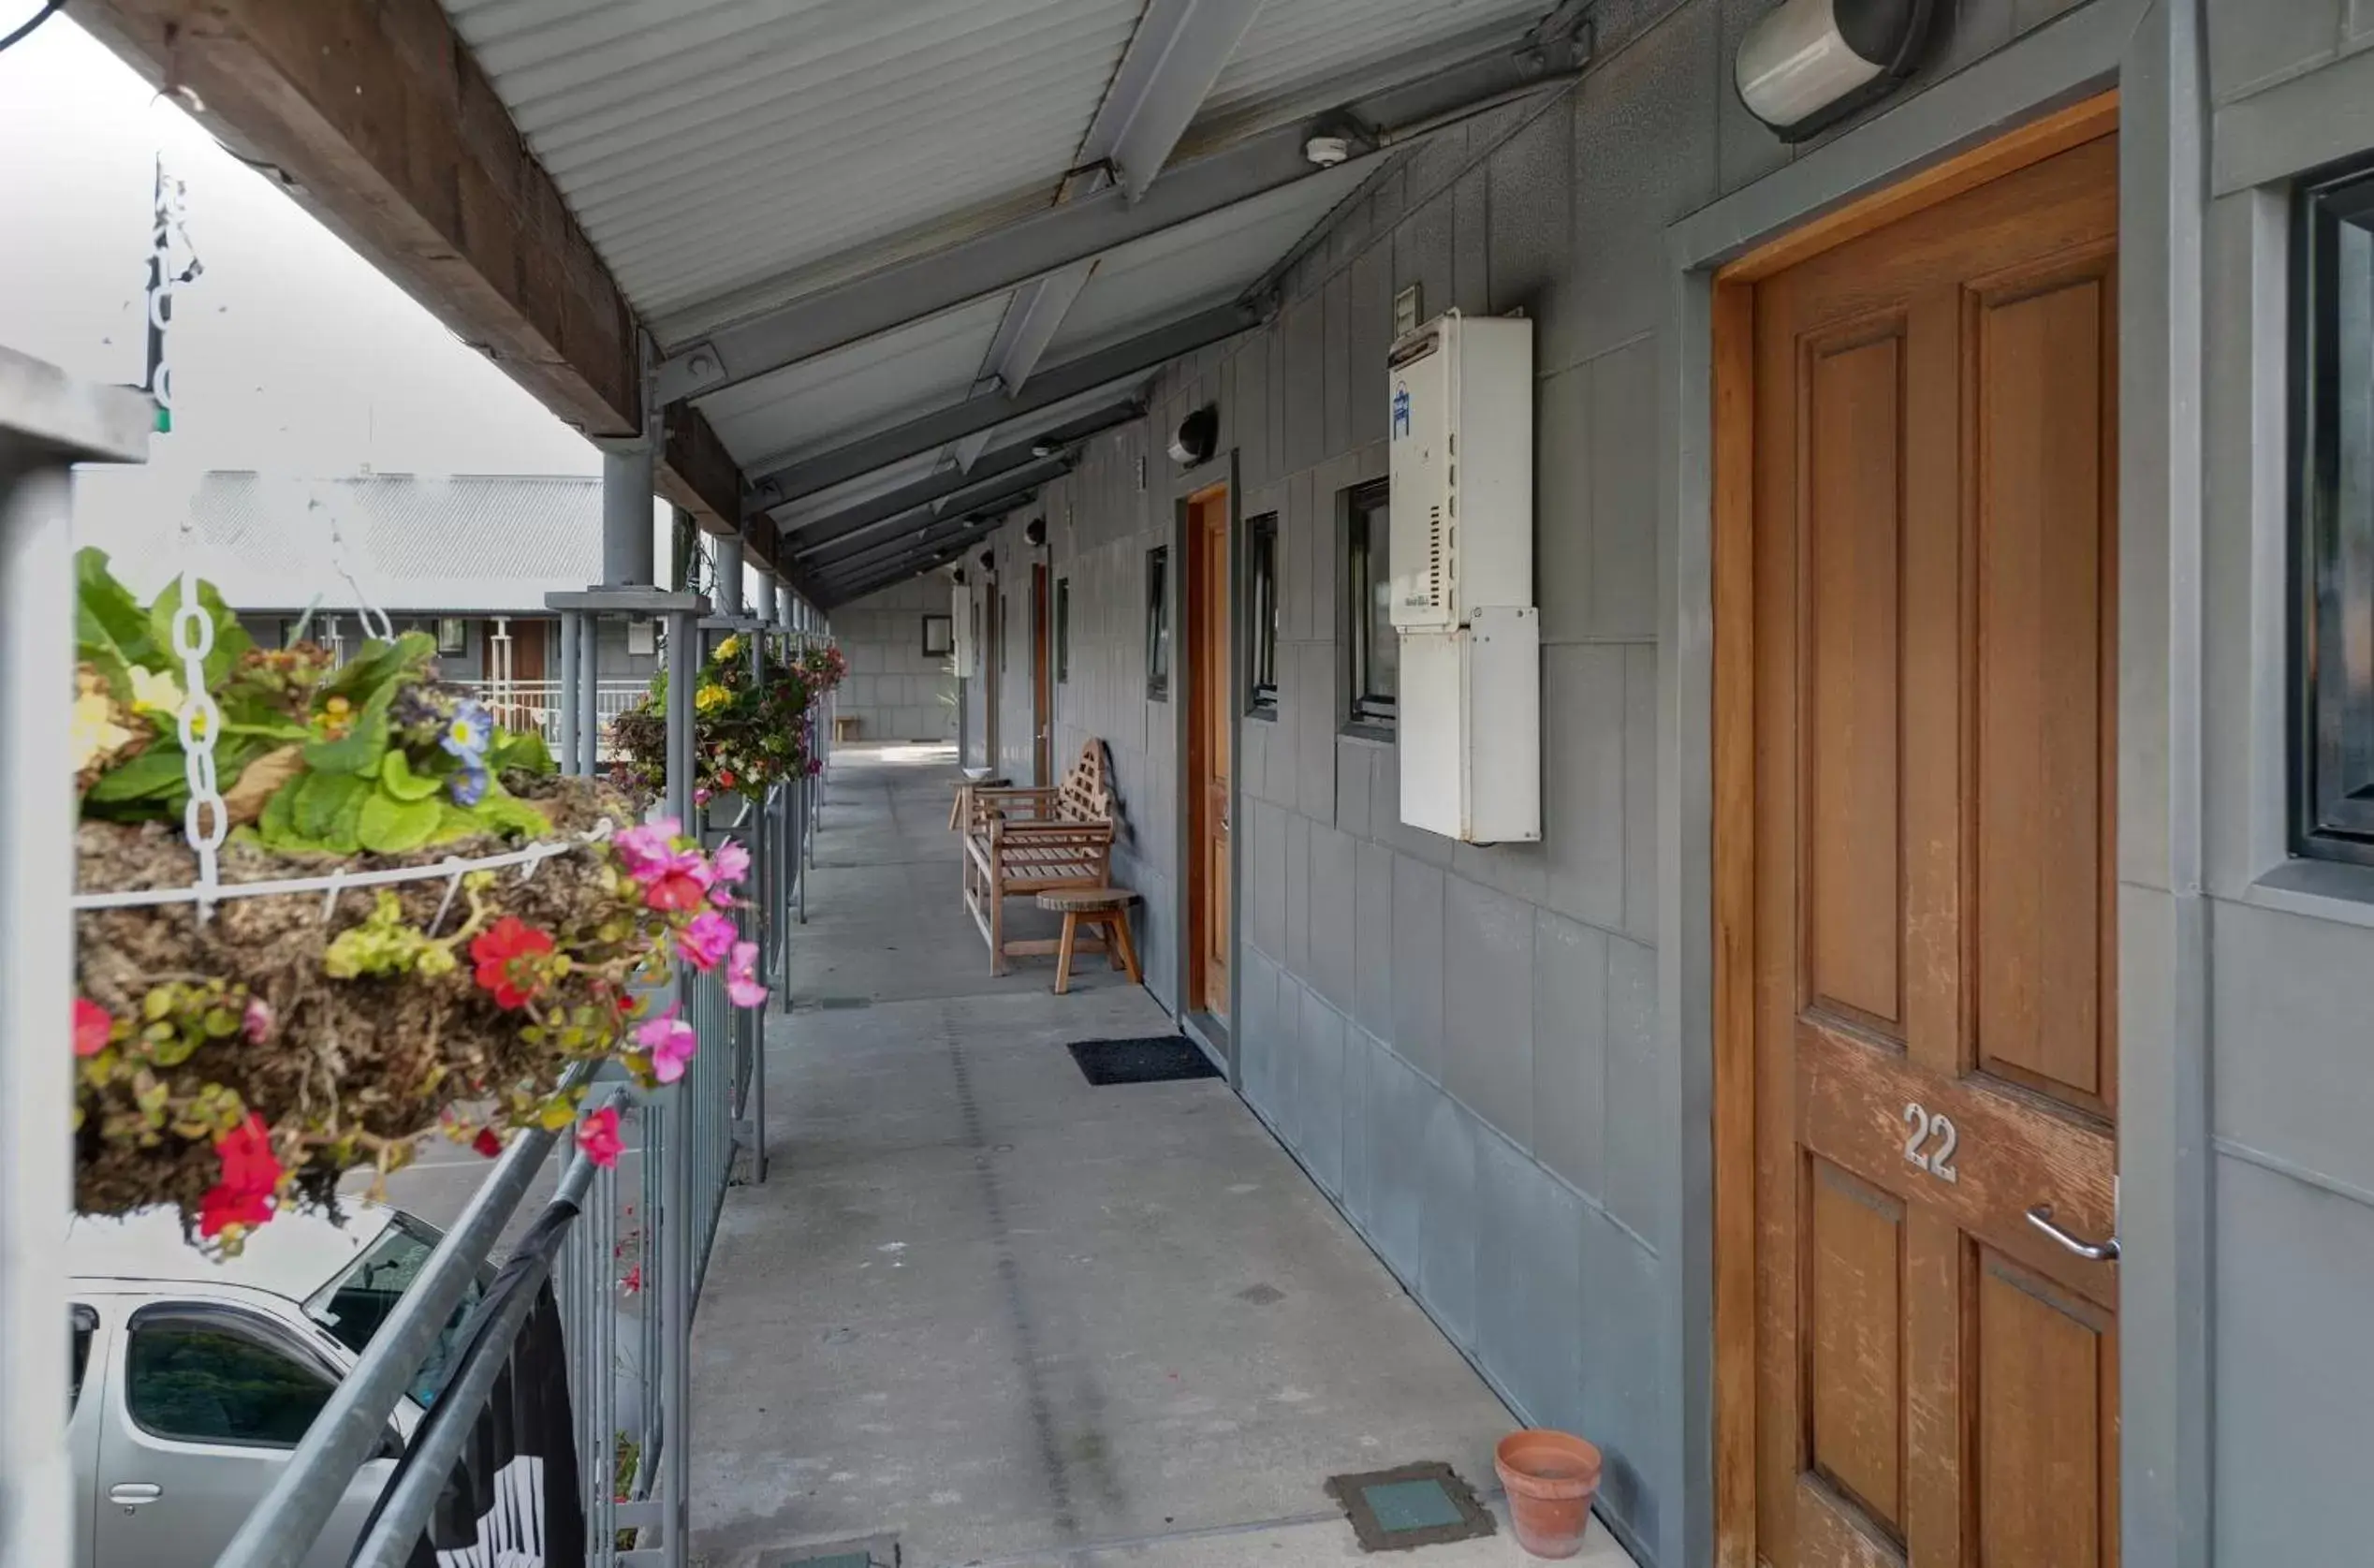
{"type": "Point", "coordinates": [482, 544]}
{"type": "Point", "coordinates": [710, 144]}
{"type": "Point", "coordinates": [1303, 55]}
{"type": "Point", "coordinates": [1161, 278]}
{"type": "Point", "coordinates": [860, 389]}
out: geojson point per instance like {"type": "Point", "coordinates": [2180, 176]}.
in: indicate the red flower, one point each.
{"type": "Point", "coordinates": [499, 952]}
{"type": "Point", "coordinates": [597, 1135]}
{"type": "Point", "coordinates": [251, 1174]}
{"type": "Point", "coordinates": [90, 1027]}
{"type": "Point", "coordinates": [634, 1280]}
{"type": "Point", "coordinates": [489, 1142]}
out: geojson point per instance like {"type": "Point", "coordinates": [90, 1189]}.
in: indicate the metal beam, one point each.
{"type": "Point", "coordinates": [1176, 53]}
{"type": "Point", "coordinates": [1031, 247]}
{"type": "Point", "coordinates": [981, 487]}
{"type": "Point", "coordinates": [915, 566]}
{"type": "Point", "coordinates": [777, 480]}
{"type": "Point", "coordinates": [971, 526]}
{"type": "Point", "coordinates": [804, 537]}
{"type": "Point", "coordinates": [996, 500]}
{"type": "Point", "coordinates": [1172, 60]}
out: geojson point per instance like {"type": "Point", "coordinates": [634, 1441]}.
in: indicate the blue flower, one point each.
{"type": "Point", "coordinates": [469, 732]}
{"type": "Point", "coordinates": [469, 787]}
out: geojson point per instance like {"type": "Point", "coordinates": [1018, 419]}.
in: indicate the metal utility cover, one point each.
{"type": "Point", "coordinates": [1415, 1505]}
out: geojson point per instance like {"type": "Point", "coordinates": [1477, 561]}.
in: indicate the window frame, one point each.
{"type": "Point", "coordinates": [1260, 635]}
{"type": "Point", "coordinates": [460, 628]}
{"type": "Point", "coordinates": [1367, 713]}
{"type": "Point", "coordinates": [264, 1333]}
{"type": "Point", "coordinates": [1063, 631]}
{"type": "Point", "coordinates": [2331, 819]}
{"type": "Point", "coordinates": [1158, 624]}
{"type": "Point", "coordinates": [947, 624]}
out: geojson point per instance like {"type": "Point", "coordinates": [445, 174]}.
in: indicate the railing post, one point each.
{"type": "Point", "coordinates": [566, 698]}
{"type": "Point", "coordinates": [46, 423]}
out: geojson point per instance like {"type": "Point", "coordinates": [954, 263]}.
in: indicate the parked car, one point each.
{"type": "Point", "coordinates": [194, 1379]}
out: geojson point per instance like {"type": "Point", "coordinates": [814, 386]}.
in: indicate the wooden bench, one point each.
{"type": "Point", "coordinates": [1022, 843]}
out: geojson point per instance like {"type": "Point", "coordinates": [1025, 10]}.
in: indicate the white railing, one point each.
{"type": "Point", "coordinates": [525, 704]}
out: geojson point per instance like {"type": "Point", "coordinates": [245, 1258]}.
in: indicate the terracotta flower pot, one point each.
{"type": "Point", "coordinates": [1551, 1479]}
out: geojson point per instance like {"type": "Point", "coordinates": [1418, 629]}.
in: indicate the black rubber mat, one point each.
{"type": "Point", "coordinates": [1152, 1058]}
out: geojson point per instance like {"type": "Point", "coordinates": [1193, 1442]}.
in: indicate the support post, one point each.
{"type": "Point", "coordinates": [570, 708]}
{"type": "Point", "coordinates": [730, 576]}
{"type": "Point", "coordinates": [46, 423]}
{"type": "Point", "coordinates": [630, 479]}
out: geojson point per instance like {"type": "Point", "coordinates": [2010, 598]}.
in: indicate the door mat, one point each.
{"type": "Point", "coordinates": [1151, 1059]}
{"type": "Point", "coordinates": [1415, 1505]}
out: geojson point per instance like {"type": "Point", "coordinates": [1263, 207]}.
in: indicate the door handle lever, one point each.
{"type": "Point", "coordinates": [2105, 1251]}
{"type": "Point", "coordinates": [131, 1494]}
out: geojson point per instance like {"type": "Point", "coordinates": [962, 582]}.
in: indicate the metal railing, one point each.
{"type": "Point", "coordinates": [621, 1278]}
{"type": "Point", "coordinates": [538, 705]}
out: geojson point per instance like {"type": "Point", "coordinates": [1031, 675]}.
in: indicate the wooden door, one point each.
{"type": "Point", "coordinates": [1934, 1032]}
{"type": "Point", "coordinates": [1042, 681]}
{"type": "Point", "coordinates": [992, 675]}
{"type": "Point", "coordinates": [1211, 715]}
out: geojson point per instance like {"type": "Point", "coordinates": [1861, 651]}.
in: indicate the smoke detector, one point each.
{"type": "Point", "coordinates": [1328, 151]}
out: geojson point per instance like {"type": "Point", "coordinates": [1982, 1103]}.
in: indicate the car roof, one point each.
{"type": "Point", "coordinates": [297, 1253]}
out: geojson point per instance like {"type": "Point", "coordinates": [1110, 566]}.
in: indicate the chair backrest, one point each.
{"type": "Point", "coordinates": [1086, 794]}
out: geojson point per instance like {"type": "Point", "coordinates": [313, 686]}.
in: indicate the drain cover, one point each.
{"type": "Point", "coordinates": [1151, 1059]}
{"type": "Point", "coordinates": [1415, 1505]}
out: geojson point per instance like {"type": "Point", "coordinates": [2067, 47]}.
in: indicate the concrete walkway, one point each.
{"type": "Point", "coordinates": [997, 1316]}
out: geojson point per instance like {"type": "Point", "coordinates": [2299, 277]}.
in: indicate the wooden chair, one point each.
{"type": "Point", "coordinates": [1021, 843]}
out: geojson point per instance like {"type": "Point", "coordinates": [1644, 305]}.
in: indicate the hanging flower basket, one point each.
{"type": "Point", "coordinates": [825, 665]}
{"type": "Point", "coordinates": [747, 736]}
{"type": "Point", "coordinates": [237, 1052]}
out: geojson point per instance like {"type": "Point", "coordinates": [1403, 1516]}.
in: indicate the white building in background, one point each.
{"type": "Point", "coordinates": [467, 559]}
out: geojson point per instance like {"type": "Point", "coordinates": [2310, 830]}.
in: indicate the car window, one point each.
{"type": "Point", "coordinates": [87, 1324]}
{"type": "Point", "coordinates": [354, 1305]}
{"type": "Point", "coordinates": [211, 1375]}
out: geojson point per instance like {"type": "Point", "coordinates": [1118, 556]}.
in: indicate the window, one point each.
{"type": "Point", "coordinates": [1158, 624]}
{"type": "Point", "coordinates": [354, 1305]}
{"type": "Point", "coordinates": [1063, 630]}
{"type": "Point", "coordinates": [451, 634]}
{"type": "Point", "coordinates": [1375, 665]}
{"type": "Point", "coordinates": [939, 635]}
{"type": "Point", "coordinates": [2334, 644]}
{"type": "Point", "coordinates": [86, 1325]}
{"type": "Point", "coordinates": [213, 1375]}
{"type": "Point", "coordinates": [1261, 616]}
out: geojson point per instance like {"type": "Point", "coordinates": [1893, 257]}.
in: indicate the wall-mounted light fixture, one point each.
{"type": "Point", "coordinates": [1197, 438]}
{"type": "Point", "coordinates": [1035, 533]}
{"type": "Point", "coordinates": [1812, 63]}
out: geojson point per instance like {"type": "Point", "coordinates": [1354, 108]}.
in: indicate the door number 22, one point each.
{"type": "Point", "coordinates": [1926, 1129]}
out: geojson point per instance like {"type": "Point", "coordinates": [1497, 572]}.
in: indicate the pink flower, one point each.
{"type": "Point", "coordinates": [672, 1042]}
{"type": "Point", "coordinates": [707, 940]}
{"type": "Point", "coordinates": [91, 1026]}
{"type": "Point", "coordinates": [700, 795]}
{"type": "Point", "coordinates": [597, 1135]}
{"type": "Point", "coordinates": [741, 976]}
{"type": "Point", "coordinates": [647, 849]}
{"type": "Point", "coordinates": [256, 1023]}
{"type": "Point", "coordinates": [731, 863]}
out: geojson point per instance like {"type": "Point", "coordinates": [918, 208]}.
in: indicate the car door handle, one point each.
{"type": "Point", "coordinates": [2105, 1251]}
{"type": "Point", "coordinates": [131, 1494]}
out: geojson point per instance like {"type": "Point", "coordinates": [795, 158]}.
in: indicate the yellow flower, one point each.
{"type": "Point", "coordinates": [96, 734]}
{"type": "Point", "coordinates": [711, 697]}
{"type": "Point", "coordinates": [727, 649]}
{"type": "Point", "coordinates": [154, 691]}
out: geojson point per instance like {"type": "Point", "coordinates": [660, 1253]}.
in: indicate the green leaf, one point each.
{"type": "Point", "coordinates": [378, 665]}
{"type": "Point", "coordinates": [501, 812]}
{"type": "Point", "coordinates": [389, 826]}
{"type": "Point", "coordinates": [322, 799]}
{"type": "Point", "coordinates": [363, 746]}
{"type": "Point", "coordinates": [523, 749]}
{"type": "Point", "coordinates": [455, 823]}
{"type": "Point", "coordinates": [398, 779]}
{"type": "Point", "coordinates": [154, 775]}
{"type": "Point", "coordinates": [279, 823]}
{"type": "Point", "coordinates": [346, 830]}
{"type": "Point", "coordinates": [109, 627]}
{"type": "Point", "coordinates": [231, 637]}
